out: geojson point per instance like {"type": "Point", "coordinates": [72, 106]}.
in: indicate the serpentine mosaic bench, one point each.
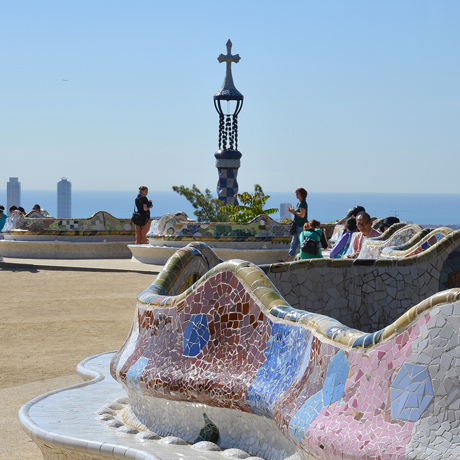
{"type": "Point", "coordinates": [99, 226]}
{"type": "Point", "coordinates": [419, 244]}
{"type": "Point", "coordinates": [262, 240]}
{"type": "Point", "coordinates": [100, 235]}
{"type": "Point", "coordinates": [217, 357]}
{"type": "Point", "coordinates": [397, 235]}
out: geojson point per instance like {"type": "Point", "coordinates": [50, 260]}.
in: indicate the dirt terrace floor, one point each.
{"type": "Point", "coordinates": [50, 320]}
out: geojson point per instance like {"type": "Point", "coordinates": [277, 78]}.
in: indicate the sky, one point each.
{"type": "Point", "coordinates": [340, 96]}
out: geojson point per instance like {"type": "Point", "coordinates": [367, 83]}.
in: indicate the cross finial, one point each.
{"type": "Point", "coordinates": [229, 58]}
{"type": "Point", "coordinates": [228, 90]}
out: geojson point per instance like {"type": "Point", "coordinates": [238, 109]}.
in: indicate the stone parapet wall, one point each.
{"type": "Point", "coordinates": [368, 294]}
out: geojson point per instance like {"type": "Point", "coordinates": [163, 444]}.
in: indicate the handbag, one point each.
{"type": "Point", "coordinates": [138, 218]}
{"type": "Point", "coordinates": [310, 246]}
{"type": "Point", "coordinates": [293, 228]}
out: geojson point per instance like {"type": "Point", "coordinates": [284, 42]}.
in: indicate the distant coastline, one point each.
{"type": "Point", "coordinates": [431, 210]}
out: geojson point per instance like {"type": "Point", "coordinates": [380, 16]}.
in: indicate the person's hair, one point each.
{"type": "Point", "coordinates": [364, 215]}
{"type": "Point", "coordinates": [350, 224]}
{"type": "Point", "coordinates": [36, 206]}
{"type": "Point", "coordinates": [357, 210]}
{"type": "Point", "coordinates": [303, 192]}
{"type": "Point", "coordinates": [20, 208]}
{"type": "Point", "coordinates": [12, 208]}
{"type": "Point", "coordinates": [142, 188]}
{"type": "Point", "coordinates": [312, 224]}
{"type": "Point", "coordinates": [388, 222]}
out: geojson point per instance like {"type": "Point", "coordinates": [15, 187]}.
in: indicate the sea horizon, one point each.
{"type": "Point", "coordinates": [421, 208]}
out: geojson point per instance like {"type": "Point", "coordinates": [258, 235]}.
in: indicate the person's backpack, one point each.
{"type": "Point", "coordinates": [310, 246]}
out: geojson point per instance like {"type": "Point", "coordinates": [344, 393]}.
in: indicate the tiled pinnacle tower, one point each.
{"type": "Point", "coordinates": [228, 156]}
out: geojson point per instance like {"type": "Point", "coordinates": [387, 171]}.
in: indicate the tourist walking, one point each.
{"type": "Point", "coordinates": [143, 206]}
{"type": "Point", "coordinates": [300, 213]}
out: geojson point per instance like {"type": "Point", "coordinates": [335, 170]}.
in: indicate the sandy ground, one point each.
{"type": "Point", "coordinates": [50, 321]}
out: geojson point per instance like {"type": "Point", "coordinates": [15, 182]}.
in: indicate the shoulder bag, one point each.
{"type": "Point", "coordinates": [310, 246]}
{"type": "Point", "coordinates": [138, 218]}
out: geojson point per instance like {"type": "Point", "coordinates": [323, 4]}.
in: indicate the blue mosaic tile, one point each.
{"type": "Point", "coordinates": [411, 392]}
{"type": "Point", "coordinates": [334, 385]}
{"type": "Point", "coordinates": [279, 369]}
{"type": "Point", "coordinates": [337, 374]}
{"type": "Point", "coordinates": [196, 335]}
{"type": "Point", "coordinates": [133, 376]}
{"type": "Point", "coordinates": [305, 416]}
{"type": "Point", "coordinates": [306, 359]}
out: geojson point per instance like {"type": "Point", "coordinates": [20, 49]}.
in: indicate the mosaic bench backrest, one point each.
{"type": "Point", "coordinates": [418, 244]}
{"type": "Point", "coordinates": [336, 234]}
{"type": "Point", "coordinates": [396, 235]}
{"type": "Point", "coordinates": [367, 294]}
{"type": "Point", "coordinates": [99, 223]}
{"type": "Point", "coordinates": [261, 228]}
{"type": "Point", "coordinates": [231, 341]}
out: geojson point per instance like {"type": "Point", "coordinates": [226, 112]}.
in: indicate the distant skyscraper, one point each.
{"type": "Point", "coordinates": [284, 213]}
{"type": "Point", "coordinates": [13, 192]}
{"type": "Point", "coordinates": [64, 199]}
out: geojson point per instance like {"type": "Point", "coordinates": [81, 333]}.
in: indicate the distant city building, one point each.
{"type": "Point", "coordinates": [64, 199]}
{"type": "Point", "coordinates": [13, 193]}
{"type": "Point", "coordinates": [284, 213]}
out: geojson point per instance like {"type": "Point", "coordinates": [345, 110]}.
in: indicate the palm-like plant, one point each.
{"type": "Point", "coordinates": [251, 205]}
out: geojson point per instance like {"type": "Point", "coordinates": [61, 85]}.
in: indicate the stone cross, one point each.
{"type": "Point", "coordinates": [229, 58]}
{"type": "Point", "coordinates": [228, 87]}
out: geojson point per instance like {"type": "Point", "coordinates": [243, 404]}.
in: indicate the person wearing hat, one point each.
{"type": "Point", "coordinates": [387, 223]}
{"type": "Point", "coordinates": [2, 217]}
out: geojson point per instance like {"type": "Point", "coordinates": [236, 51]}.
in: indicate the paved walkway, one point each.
{"type": "Point", "coordinates": [53, 314]}
{"type": "Point", "coordinates": [118, 265]}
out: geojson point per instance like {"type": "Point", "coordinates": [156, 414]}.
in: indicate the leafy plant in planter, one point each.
{"type": "Point", "coordinates": [251, 205]}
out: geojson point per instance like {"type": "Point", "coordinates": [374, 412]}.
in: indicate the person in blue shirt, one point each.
{"type": "Point", "coordinates": [344, 242]}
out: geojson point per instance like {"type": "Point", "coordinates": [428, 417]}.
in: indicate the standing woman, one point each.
{"type": "Point", "coordinates": [143, 207]}
{"type": "Point", "coordinates": [300, 218]}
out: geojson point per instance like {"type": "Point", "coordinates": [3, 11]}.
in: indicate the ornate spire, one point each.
{"type": "Point", "coordinates": [228, 91]}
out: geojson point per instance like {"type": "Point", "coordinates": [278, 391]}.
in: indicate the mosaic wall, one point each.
{"type": "Point", "coordinates": [176, 228]}
{"type": "Point", "coordinates": [101, 223]}
{"type": "Point", "coordinates": [264, 229]}
{"type": "Point", "coordinates": [232, 344]}
{"type": "Point", "coordinates": [368, 294]}
{"type": "Point", "coordinates": [420, 243]}
{"type": "Point", "coordinates": [394, 236]}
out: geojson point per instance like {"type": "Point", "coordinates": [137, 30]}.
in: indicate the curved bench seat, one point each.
{"type": "Point", "coordinates": [229, 344]}
{"type": "Point", "coordinates": [421, 242]}
{"type": "Point", "coordinates": [18, 227]}
{"type": "Point", "coordinates": [396, 235]}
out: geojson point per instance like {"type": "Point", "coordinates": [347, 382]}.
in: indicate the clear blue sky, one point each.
{"type": "Point", "coordinates": [352, 96]}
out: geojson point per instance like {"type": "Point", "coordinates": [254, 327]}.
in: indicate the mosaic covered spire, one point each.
{"type": "Point", "coordinates": [228, 157]}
